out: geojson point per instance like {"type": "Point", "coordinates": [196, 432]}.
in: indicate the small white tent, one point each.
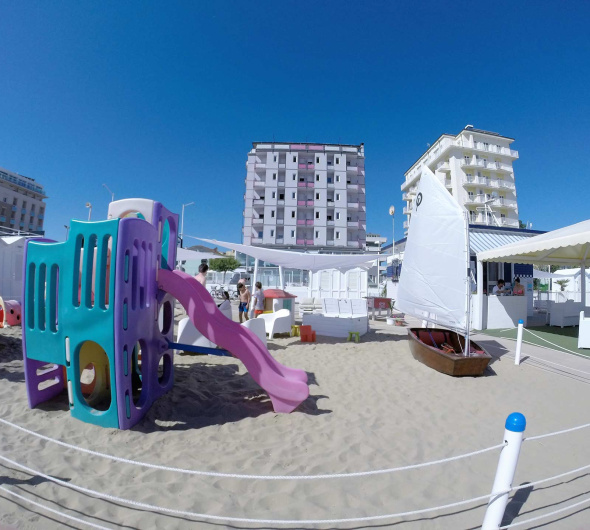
{"type": "Point", "coordinates": [11, 267]}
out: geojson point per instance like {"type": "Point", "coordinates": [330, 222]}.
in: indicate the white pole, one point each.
{"type": "Point", "coordinates": [518, 342]}
{"type": "Point", "coordinates": [513, 434]}
{"type": "Point", "coordinates": [583, 281]}
{"type": "Point", "coordinates": [281, 277]}
{"type": "Point", "coordinates": [480, 297]}
{"type": "Point", "coordinates": [468, 287]}
{"type": "Point", "coordinates": [182, 223]}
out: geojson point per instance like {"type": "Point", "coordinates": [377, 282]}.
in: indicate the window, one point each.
{"type": "Point", "coordinates": [317, 196]}
{"type": "Point", "coordinates": [338, 196]}
{"type": "Point", "coordinates": [329, 180]}
{"type": "Point", "coordinates": [294, 195]}
{"type": "Point", "coordinates": [272, 213]}
{"type": "Point", "coordinates": [317, 178]}
{"type": "Point", "coordinates": [274, 194]}
{"type": "Point", "coordinates": [281, 196]}
{"type": "Point", "coordinates": [301, 179]}
{"type": "Point", "coordinates": [337, 215]}
{"type": "Point", "coordinates": [317, 215]}
{"type": "Point", "coordinates": [470, 193]}
{"type": "Point", "coordinates": [272, 232]}
{"type": "Point", "coordinates": [294, 176]}
{"type": "Point", "coordinates": [292, 233]}
{"type": "Point", "coordinates": [329, 217]}
{"type": "Point", "coordinates": [260, 235]}
{"type": "Point", "coordinates": [294, 159]}
{"type": "Point", "coordinates": [337, 178]}
{"type": "Point", "coordinates": [337, 235]}
{"type": "Point", "coordinates": [317, 234]}
{"type": "Point", "coordinates": [317, 159]}
{"type": "Point", "coordinates": [293, 214]}
{"type": "Point", "coordinates": [274, 158]}
{"type": "Point", "coordinates": [337, 160]}
{"type": "Point", "coordinates": [274, 176]}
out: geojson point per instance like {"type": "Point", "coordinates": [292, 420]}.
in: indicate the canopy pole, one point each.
{"type": "Point", "coordinates": [583, 283]}
{"type": "Point", "coordinates": [281, 278]}
{"type": "Point", "coordinates": [253, 282]}
{"type": "Point", "coordinates": [480, 293]}
{"type": "Point", "coordinates": [467, 287]}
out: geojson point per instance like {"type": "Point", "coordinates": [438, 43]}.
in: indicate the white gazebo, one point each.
{"type": "Point", "coordinates": [565, 246]}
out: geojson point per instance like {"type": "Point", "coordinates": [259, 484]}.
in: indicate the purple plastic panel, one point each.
{"type": "Point", "coordinates": [32, 378]}
{"type": "Point", "coordinates": [136, 320]}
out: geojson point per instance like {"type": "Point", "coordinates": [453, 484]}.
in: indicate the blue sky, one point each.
{"type": "Point", "coordinates": [163, 99]}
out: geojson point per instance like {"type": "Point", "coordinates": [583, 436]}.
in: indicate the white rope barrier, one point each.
{"type": "Point", "coordinates": [51, 510]}
{"type": "Point", "coordinates": [530, 438]}
{"type": "Point", "coordinates": [544, 516]}
{"type": "Point", "coordinates": [556, 345]}
{"type": "Point", "coordinates": [251, 477]}
{"type": "Point", "coordinates": [205, 516]}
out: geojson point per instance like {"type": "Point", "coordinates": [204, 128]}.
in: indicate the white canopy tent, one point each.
{"type": "Point", "coordinates": [298, 260]}
{"type": "Point", "coordinates": [184, 254]}
{"type": "Point", "coordinates": [565, 246]}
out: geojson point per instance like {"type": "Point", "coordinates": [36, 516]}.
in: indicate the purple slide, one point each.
{"type": "Point", "coordinates": [287, 387]}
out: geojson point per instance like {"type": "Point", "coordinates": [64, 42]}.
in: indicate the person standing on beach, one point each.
{"type": "Point", "coordinates": [245, 298]}
{"type": "Point", "coordinates": [258, 300]}
{"type": "Point", "coordinates": [201, 277]}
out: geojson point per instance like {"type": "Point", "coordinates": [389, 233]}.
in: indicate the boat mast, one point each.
{"type": "Point", "coordinates": [467, 349]}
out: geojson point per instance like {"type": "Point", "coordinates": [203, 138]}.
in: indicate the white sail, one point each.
{"type": "Point", "coordinates": [432, 284]}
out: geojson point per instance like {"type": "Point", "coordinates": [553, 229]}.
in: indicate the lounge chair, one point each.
{"type": "Point", "coordinates": [279, 322]}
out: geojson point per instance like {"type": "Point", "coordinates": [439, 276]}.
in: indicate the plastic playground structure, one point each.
{"type": "Point", "coordinates": [102, 303]}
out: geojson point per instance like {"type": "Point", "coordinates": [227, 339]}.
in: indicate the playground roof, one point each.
{"type": "Point", "coordinates": [301, 260]}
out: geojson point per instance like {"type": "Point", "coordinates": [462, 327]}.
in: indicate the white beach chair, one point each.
{"type": "Point", "coordinates": [330, 307]}
{"type": "Point", "coordinates": [279, 322]}
{"type": "Point", "coordinates": [584, 331]}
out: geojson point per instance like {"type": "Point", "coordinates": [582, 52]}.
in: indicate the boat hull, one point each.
{"type": "Point", "coordinates": [426, 344]}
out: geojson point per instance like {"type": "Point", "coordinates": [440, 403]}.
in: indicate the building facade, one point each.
{"type": "Point", "coordinates": [21, 203]}
{"type": "Point", "coordinates": [305, 197]}
{"type": "Point", "coordinates": [476, 167]}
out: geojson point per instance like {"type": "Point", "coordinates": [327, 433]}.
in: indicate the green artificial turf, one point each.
{"type": "Point", "coordinates": [560, 339]}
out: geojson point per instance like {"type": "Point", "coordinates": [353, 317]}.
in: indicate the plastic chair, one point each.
{"type": "Point", "coordinates": [306, 334]}
{"type": "Point", "coordinates": [279, 322]}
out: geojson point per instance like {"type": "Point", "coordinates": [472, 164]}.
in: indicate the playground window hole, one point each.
{"type": "Point", "coordinates": [94, 377]}
{"type": "Point", "coordinates": [165, 317]}
{"type": "Point", "coordinates": [137, 383]}
{"type": "Point", "coordinates": [164, 370]}
{"type": "Point", "coordinates": [78, 265]}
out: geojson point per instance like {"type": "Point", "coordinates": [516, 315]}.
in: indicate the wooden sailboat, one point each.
{"type": "Point", "coordinates": [435, 283]}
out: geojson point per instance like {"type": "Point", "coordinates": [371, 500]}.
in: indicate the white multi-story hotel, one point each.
{"type": "Point", "coordinates": [306, 196]}
{"type": "Point", "coordinates": [476, 168]}
{"type": "Point", "coordinates": [21, 203]}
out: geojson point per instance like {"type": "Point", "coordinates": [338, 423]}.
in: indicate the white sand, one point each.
{"type": "Point", "coordinates": [371, 407]}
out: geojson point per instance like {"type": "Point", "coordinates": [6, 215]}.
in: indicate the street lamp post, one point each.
{"type": "Point", "coordinates": [392, 213]}
{"type": "Point", "coordinates": [182, 223]}
{"type": "Point", "coordinates": [89, 206]}
{"type": "Point", "coordinates": [108, 189]}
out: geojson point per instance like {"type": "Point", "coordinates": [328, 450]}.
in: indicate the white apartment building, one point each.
{"type": "Point", "coordinates": [476, 168]}
{"type": "Point", "coordinates": [306, 197]}
{"type": "Point", "coordinates": [21, 203]}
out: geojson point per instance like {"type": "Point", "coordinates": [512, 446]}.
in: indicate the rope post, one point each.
{"type": "Point", "coordinates": [515, 426]}
{"type": "Point", "coordinates": [518, 342]}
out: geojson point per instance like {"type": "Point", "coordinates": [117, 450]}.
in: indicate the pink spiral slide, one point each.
{"type": "Point", "coordinates": [287, 387]}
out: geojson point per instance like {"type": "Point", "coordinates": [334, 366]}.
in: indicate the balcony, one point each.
{"type": "Point", "coordinates": [259, 165]}
{"type": "Point", "coordinates": [309, 203]}
{"type": "Point", "coordinates": [506, 203]}
{"type": "Point", "coordinates": [259, 183]}
{"type": "Point", "coordinates": [14, 208]}
{"type": "Point", "coordinates": [448, 184]}
{"type": "Point", "coordinates": [354, 187]}
{"type": "Point", "coordinates": [256, 240]}
{"type": "Point", "coordinates": [330, 242]}
{"type": "Point", "coordinates": [330, 202]}
{"type": "Point", "coordinates": [257, 221]}
{"type": "Point", "coordinates": [279, 240]}
{"type": "Point", "coordinates": [330, 222]}
{"type": "Point", "coordinates": [506, 185]}
{"type": "Point", "coordinates": [406, 197]}
{"type": "Point", "coordinates": [352, 169]}
{"type": "Point", "coordinates": [309, 165]}
{"type": "Point", "coordinates": [309, 241]}
{"type": "Point", "coordinates": [258, 201]}
{"type": "Point", "coordinates": [301, 222]}
{"type": "Point", "coordinates": [309, 222]}
{"type": "Point", "coordinates": [407, 210]}
{"type": "Point", "coordinates": [352, 224]}
{"type": "Point", "coordinates": [2, 219]}
{"type": "Point", "coordinates": [300, 203]}
{"type": "Point", "coordinates": [302, 184]}
{"type": "Point", "coordinates": [23, 210]}
{"type": "Point", "coordinates": [506, 168]}
{"type": "Point", "coordinates": [280, 221]}
{"type": "Point", "coordinates": [353, 205]}
{"type": "Point", "coordinates": [406, 224]}
{"type": "Point", "coordinates": [300, 241]}
{"type": "Point", "coordinates": [443, 166]}
{"type": "Point", "coordinates": [310, 184]}
{"type": "Point", "coordinates": [353, 244]}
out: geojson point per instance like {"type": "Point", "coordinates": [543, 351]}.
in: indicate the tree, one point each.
{"type": "Point", "coordinates": [224, 265]}
{"type": "Point", "coordinates": [562, 283]}
{"type": "Point", "coordinates": [521, 224]}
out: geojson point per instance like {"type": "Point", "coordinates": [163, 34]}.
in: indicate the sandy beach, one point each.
{"type": "Point", "coordinates": [371, 407]}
